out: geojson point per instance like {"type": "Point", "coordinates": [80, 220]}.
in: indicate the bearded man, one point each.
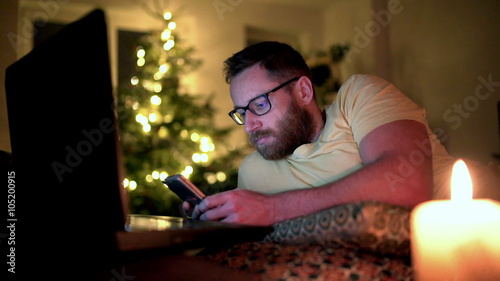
{"type": "Point", "coordinates": [308, 159]}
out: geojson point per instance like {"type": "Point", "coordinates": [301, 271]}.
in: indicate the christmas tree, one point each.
{"type": "Point", "coordinates": [166, 131]}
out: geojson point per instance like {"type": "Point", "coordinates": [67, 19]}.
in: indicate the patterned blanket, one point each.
{"type": "Point", "coordinates": [356, 241]}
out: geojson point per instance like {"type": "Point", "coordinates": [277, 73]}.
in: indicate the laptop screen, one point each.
{"type": "Point", "coordinates": [64, 150]}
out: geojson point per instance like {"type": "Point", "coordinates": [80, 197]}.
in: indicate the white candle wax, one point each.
{"type": "Point", "coordinates": [456, 239]}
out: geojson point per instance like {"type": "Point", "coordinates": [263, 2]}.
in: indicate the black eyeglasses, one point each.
{"type": "Point", "coordinates": [259, 105]}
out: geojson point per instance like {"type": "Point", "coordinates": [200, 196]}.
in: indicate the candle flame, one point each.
{"type": "Point", "coordinates": [461, 182]}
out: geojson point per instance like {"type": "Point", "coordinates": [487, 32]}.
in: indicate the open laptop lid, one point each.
{"type": "Point", "coordinates": [64, 150]}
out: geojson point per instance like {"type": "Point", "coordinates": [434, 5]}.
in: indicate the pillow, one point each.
{"type": "Point", "coordinates": [374, 226]}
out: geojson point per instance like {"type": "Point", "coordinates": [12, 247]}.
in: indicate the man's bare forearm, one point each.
{"type": "Point", "coordinates": [377, 181]}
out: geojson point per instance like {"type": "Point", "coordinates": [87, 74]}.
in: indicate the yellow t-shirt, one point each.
{"type": "Point", "coordinates": [363, 103]}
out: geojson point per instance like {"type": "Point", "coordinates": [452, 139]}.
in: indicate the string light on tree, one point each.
{"type": "Point", "coordinates": [167, 16]}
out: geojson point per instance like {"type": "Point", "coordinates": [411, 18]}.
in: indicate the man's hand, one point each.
{"type": "Point", "coordinates": [237, 206]}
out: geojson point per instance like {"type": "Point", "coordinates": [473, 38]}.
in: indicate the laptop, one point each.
{"type": "Point", "coordinates": [71, 216]}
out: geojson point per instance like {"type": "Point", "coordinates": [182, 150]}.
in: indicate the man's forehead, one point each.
{"type": "Point", "coordinates": [250, 83]}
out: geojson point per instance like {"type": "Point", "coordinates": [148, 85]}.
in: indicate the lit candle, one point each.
{"type": "Point", "coordinates": [457, 239]}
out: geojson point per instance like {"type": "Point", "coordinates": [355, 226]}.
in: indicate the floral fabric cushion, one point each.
{"type": "Point", "coordinates": [374, 226]}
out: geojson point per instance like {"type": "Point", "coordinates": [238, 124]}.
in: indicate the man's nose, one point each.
{"type": "Point", "coordinates": [252, 122]}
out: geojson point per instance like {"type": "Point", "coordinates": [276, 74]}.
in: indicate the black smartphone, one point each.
{"type": "Point", "coordinates": [185, 189]}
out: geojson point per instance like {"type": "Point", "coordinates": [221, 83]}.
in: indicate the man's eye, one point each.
{"type": "Point", "coordinates": [260, 103]}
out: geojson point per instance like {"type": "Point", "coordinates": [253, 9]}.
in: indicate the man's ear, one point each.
{"type": "Point", "coordinates": [305, 93]}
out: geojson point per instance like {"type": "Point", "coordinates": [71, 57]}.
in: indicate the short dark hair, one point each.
{"type": "Point", "coordinates": [279, 59]}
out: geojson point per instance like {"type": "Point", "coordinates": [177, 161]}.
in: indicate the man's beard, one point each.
{"type": "Point", "coordinates": [293, 130]}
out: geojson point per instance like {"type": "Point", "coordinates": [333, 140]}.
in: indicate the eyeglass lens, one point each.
{"type": "Point", "coordinates": [258, 106]}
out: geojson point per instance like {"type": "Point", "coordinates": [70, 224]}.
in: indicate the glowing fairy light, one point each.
{"type": "Point", "coordinates": [165, 35]}
{"type": "Point", "coordinates": [221, 176]}
{"type": "Point", "coordinates": [141, 53]}
{"type": "Point", "coordinates": [169, 44]}
{"type": "Point", "coordinates": [187, 171]}
{"type": "Point", "coordinates": [184, 133]}
{"type": "Point", "coordinates": [164, 68]}
{"type": "Point", "coordinates": [132, 185]}
{"type": "Point", "coordinates": [211, 178]}
{"type": "Point", "coordinates": [156, 100]}
{"type": "Point", "coordinates": [158, 75]}
{"type": "Point", "coordinates": [126, 183]}
{"type": "Point", "coordinates": [141, 62]}
{"type": "Point", "coordinates": [134, 80]}
{"type": "Point", "coordinates": [195, 137]}
{"type": "Point", "coordinates": [204, 157]}
{"type": "Point", "coordinates": [141, 119]}
{"type": "Point", "coordinates": [204, 147]}
{"type": "Point", "coordinates": [135, 106]}
{"type": "Point", "coordinates": [157, 88]}
{"type": "Point", "coordinates": [196, 158]}
{"type": "Point", "coordinates": [153, 117]}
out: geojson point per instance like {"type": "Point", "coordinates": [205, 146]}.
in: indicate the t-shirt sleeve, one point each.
{"type": "Point", "coordinates": [368, 102]}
